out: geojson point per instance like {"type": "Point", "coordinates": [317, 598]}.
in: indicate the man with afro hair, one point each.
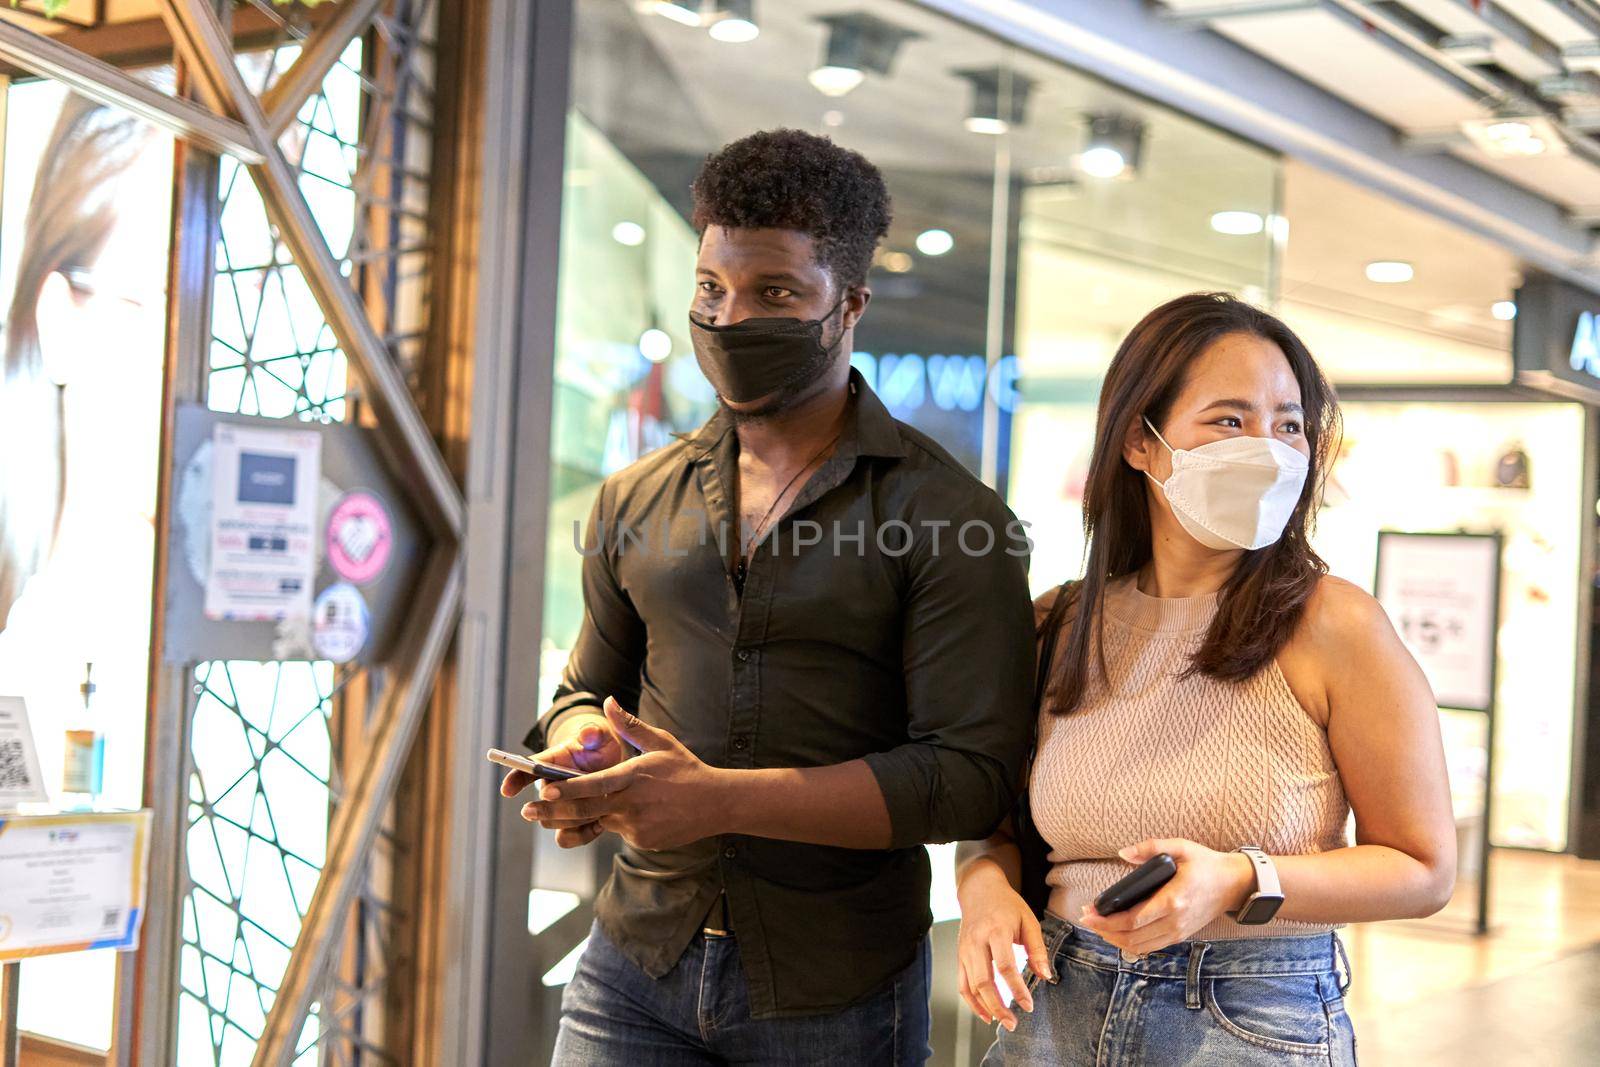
{"type": "Point", "coordinates": [823, 661]}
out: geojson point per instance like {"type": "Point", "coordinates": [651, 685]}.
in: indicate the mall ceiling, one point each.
{"type": "Point", "coordinates": [1511, 86]}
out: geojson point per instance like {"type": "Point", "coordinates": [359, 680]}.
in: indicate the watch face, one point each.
{"type": "Point", "coordinates": [1260, 910]}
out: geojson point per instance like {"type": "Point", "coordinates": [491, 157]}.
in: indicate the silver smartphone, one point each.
{"type": "Point", "coordinates": [550, 772]}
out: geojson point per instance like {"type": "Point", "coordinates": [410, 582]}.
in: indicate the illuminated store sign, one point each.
{"type": "Point", "coordinates": [1556, 346]}
{"type": "Point", "coordinates": [1586, 345]}
{"type": "Point", "coordinates": [908, 381]}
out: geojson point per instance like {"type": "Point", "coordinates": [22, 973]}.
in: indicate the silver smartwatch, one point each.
{"type": "Point", "coordinates": [1264, 903]}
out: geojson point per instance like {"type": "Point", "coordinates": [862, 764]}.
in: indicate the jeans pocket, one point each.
{"type": "Point", "coordinates": [1282, 1013]}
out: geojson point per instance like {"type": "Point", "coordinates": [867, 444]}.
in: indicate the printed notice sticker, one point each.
{"type": "Point", "coordinates": [263, 522]}
{"type": "Point", "coordinates": [20, 780]}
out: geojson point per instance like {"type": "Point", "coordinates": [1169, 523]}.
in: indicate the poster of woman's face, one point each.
{"type": "Point", "coordinates": [84, 220]}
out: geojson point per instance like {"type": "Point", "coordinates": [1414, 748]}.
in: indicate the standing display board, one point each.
{"type": "Point", "coordinates": [1442, 592]}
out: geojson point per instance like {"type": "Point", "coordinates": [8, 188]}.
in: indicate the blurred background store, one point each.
{"type": "Point", "coordinates": [1414, 186]}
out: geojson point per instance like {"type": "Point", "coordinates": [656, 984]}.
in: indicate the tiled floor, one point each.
{"type": "Point", "coordinates": [1430, 993]}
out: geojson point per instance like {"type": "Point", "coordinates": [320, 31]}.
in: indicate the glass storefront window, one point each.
{"type": "Point", "coordinates": [1512, 467]}
{"type": "Point", "coordinates": [1038, 214]}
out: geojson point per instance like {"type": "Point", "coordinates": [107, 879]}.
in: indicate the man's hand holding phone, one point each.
{"type": "Point", "coordinates": [658, 799]}
{"type": "Point", "coordinates": [583, 743]}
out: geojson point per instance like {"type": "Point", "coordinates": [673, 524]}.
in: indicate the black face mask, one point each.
{"type": "Point", "coordinates": [758, 357]}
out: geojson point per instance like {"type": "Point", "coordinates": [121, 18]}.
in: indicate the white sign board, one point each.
{"type": "Point", "coordinates": [71, 882]}
{"type": "Point", "coordinates": [20, 780]}
{"type": "Point", "coordinates": [1441, 592]}
{"type": "Point", "coordinates": [263, 523]}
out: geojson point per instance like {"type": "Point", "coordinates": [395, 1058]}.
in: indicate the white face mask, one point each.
{"type": "Point", "coordinates": [1235, 493]}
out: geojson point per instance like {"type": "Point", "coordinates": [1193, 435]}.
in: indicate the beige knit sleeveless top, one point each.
{"type": "Point", "coordinates": [1152, 754]}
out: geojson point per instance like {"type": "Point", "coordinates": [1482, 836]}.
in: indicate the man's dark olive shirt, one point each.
{"type": "Point", "coordinates": [903, 635]}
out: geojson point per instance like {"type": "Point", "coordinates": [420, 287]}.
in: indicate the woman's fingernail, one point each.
{"type": "Point", "coordinates": [550, 792]}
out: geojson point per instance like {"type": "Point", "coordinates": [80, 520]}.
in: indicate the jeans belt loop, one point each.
{"type": "Point", "coordinates": [1349, 975]}
{"type": "Point", "coordinates": [1191, 985]}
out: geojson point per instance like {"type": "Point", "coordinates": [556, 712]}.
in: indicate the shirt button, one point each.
{"type": "Point", "coordinates": [744, 655]}
{"type": "Point", "coordinates": [739, 743]}
{"type": "Point", "coordinates": [729, 852]}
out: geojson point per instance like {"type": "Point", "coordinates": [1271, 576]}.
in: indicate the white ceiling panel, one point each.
{"type": "Point", "coordinates": [1568, 179]}
{"type": "Point", "coordinates": [1550, 20]}
{"type": "Point", "coordinates": [1356, 64]}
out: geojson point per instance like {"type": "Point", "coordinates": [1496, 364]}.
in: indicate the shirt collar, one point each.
{"type": "Point", "coordinates": [869, 428]}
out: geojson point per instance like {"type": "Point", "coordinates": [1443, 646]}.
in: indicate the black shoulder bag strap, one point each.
{"type": "Point", "coordinates": [1035, 852]}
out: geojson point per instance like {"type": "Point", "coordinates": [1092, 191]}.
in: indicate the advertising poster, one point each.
{"type": "Point", "coordinates": [263, 523]}
{"type": "Point", "coordinates": [1440, 591]}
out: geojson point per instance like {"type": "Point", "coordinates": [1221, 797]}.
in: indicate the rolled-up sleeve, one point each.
{"type": "Point", "coordinates": [609, 650]}
{"type": "Point", "coordinates": [968, 661]}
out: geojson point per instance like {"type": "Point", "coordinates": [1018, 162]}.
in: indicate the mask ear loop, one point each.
{"type": "Point", "coordinates": [1164, 444]}
{"type": "Point", "coordinates": [837, 341]}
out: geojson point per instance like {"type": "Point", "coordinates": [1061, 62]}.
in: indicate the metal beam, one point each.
{"type": "Point", "coordinates": [1238, 9]}
{"type": "Point", "coordinates": [282, 102]}
{"type": "Point", "coordinates": [100, 81]}
{"type": "Point", "coordinates": [404, 436]}
{"type": "Point", "coordinates": [410, 448]}
{"type": "Point", "coordinates": [368, 789]}
{"type": "Point", "coordinates": [153, 1005]}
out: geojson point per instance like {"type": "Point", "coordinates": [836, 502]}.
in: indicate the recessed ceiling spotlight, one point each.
{"type": "Point", "coordinates": [1238, 223]}
{"type": "Point", "coordinates": [999, 99]}
{"type": "Point", "coordinates": [857, 44]}
{"type": "Point", "coordinates": [898, 262]}
{"type": "Point", "coordinates": [683, 12]}
{"type": "Point", "coordinates": [1389, 272]}
{"type": "Point", "coordinates": [655, 344]}
{"type": "Point", "coordinates": [1515, 137]}
{"type": "Point", "coordinates": [735, 22]}
{"type": "Point", "coordinates": [833, 118]}
{"type": "Point", "coordinates": [835, 81]}
{"type": "Point", "coordinates": [935, 242]}
{"type": "Point", "coordinates": [1114, 146]}
{"type": "Point", "coordinates": [1102, 162]}
{"type": "Point", "coordinates": [628, 233]}
{"type": "Point", "coordinates": [1504, 310]}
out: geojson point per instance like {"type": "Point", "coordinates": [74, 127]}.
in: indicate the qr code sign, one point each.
{"type": "Point", "coordinates": [13, 765]}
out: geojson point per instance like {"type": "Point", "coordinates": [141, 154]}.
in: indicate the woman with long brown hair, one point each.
{"type": "Point", "coordinates": [1209, 692]}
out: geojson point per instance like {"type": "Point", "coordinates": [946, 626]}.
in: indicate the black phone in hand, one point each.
{"type": "Point", "coordinates": [1137, 885]}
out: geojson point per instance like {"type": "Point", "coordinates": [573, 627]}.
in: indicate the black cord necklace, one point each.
{"type": "Point", "coordinates": [761, 528]}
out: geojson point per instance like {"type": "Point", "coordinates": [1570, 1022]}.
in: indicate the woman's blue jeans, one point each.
{"type": "Point", "coordinates": [1243, 1002]}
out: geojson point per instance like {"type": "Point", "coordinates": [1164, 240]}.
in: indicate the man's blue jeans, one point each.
{"type": "Point", "coordinates": [612, 1013]}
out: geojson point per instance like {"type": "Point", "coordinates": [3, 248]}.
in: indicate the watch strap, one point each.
{"type": "Point", "coordinates": [1267, 883]}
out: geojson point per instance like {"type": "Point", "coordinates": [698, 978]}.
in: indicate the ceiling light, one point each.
{"type": "Point", "coordinates": [833, 118]}
{"type": "Point", "coordinates": [999, 99]}
{"type": "Point", "coordinates": [1514, 137]}
{"type": "Point", "coordinates": [1238, 223]}
{"type": "Point", "coordinates": [1113, 147]}
{"type": "Point", "coordinates": [628, 233]}
{"type": "Point", "coordinates": [683, 12]}
{"type": "Point", "coordinates": [655, 345]}
{"type": "Point", "coordinates": [1102, 162]}
{"type": "Point", "coordinates": [835, 81]}
{"type": "Point", "coordinates": [983, 124]}
{"type": "Point", "coordinates": [1504, 310]}
{"type": "Point", "coordinates": [1389, 272]}
{"type": "Point", "coordinates": [857, 44]}
{"type": "Point", "coordinates": [898, 262]}
{"type": "Point", "coordinates": [935, 242]}
{"type": "Point", "coordinates": [735, 22]}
